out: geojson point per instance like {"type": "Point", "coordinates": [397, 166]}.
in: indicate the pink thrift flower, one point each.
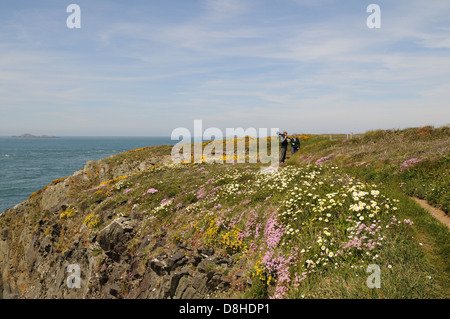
{"type": "Point", "coordinates": [151, 191]}
{"type": "Point", "coordinates": [127, 190]}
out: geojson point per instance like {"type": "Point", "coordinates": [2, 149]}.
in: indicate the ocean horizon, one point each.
{"type": "Point", "coordinates": [28, 164]}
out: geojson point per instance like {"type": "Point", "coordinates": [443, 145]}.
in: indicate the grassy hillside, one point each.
{"type": "Point", "coordinates": [416, 159]}
{"type": "Point", "coordinates": [308, 230]}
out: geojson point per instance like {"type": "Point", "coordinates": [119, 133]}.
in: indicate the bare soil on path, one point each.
{"type": "Point", "coordinates": [435, 212]}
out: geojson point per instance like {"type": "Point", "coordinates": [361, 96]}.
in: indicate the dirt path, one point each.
{"type": "Point", "coordinates": [435, 212]}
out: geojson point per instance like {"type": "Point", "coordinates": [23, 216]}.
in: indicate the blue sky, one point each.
{"type": "Point", "coordinates": [140, 68]}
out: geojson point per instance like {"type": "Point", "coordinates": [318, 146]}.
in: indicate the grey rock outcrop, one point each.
{"type": "Point", "coordinates": [43, 255]}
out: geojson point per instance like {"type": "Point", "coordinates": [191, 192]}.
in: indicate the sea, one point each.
{"type": "Point", "coordinates": [29, 164]}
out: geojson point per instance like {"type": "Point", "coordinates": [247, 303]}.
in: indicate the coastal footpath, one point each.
{"type": "Point", "coordinates": [135, 225]}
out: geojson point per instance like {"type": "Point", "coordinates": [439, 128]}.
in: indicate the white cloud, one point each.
{"type": "Point", "coordinates": [223, 63]}
{"type": "Point", "coordinates": [220, 10]}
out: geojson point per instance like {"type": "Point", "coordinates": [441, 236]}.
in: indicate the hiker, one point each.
{"type": "Point", "coordinates": [284, 145]}
{"type": "Point", "coordinates": [295, 144]}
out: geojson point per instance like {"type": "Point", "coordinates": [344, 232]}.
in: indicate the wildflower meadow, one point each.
{"type": "Point", "coordinates": [287, 231]}
{"type": "Point", "coordinates": [316, 227]}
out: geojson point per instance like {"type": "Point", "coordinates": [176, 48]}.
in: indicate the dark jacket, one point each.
{"type": "Point", "coordinates": [283, 141]}
{"type": "Point", "coordinates": [295, 143]}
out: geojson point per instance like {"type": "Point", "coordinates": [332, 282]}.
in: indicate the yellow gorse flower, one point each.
{"type": "Point", "coordinates": [68, 213]}
{"type": "Point", "coordinates": [92, 221]}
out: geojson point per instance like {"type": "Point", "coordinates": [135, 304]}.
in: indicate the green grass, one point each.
{"type": "Point", "coordinates": [383, 156]}
{"type": "Point", "coordinates": [292, 233]}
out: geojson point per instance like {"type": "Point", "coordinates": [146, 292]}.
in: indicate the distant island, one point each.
{"type": "Point", "coordinates": [27, 135]}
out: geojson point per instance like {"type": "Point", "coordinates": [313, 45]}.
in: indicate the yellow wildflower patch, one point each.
{"type": "Point", "coordinates": [92, 221]}
{"type": "Point", "coordinates": [68, 213]}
